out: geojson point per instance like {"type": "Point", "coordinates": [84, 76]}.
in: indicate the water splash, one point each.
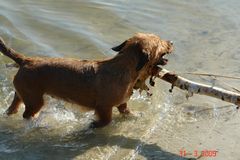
{"type": "Point", "coordinates": [140, 97]}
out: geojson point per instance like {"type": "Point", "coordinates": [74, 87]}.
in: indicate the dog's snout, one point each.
{"type": "Point", "coordinates": [170, 46]}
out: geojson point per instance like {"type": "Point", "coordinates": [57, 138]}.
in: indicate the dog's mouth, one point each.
{"type": "Point", "coordinates": [163, 61]}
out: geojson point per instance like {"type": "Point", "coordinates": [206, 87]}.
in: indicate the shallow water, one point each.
{"type": "Point", "coordinates": [205, 35]}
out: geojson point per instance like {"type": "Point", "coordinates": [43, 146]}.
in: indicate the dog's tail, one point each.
{"type": "Point", "coordinates": [18, 58]}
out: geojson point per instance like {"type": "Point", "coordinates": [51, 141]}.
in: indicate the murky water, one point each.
{"type": "Point", "coordinates": [206, 38]}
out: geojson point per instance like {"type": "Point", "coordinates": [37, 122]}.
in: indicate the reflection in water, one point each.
{"type": "Point", "coordinates": [78, 145]}
{"type": "Point", "coordinates": [205, 38]}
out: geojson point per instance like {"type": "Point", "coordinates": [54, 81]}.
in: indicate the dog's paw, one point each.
{"type": "Point", "coordinates": [97, 124]}
{"type": "Point", "coordinates": [93, 125]}
{"type": "Point", "coordinates": [10, 112]}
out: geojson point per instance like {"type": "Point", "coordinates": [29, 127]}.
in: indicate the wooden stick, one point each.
{"type": "Point", "coordinates": [193, 87]}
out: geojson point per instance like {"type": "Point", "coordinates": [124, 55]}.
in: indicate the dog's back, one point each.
{"type": "Point", "coordinates": [69, 79]}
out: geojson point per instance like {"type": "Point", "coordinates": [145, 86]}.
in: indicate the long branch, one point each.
{"type": "Point", "coordinates": [198, 88]}
{"type": "Point", "coordinates": [213, 75]}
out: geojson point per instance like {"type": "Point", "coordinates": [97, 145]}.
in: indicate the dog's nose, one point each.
{"type": "Point", "coordinates": [171, 42]}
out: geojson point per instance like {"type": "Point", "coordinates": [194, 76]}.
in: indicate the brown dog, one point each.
{"type": "Point", "coordinates": [97, 85]}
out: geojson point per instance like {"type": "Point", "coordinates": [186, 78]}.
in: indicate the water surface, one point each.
{"type": "Point", "coordinates": [205, 35]}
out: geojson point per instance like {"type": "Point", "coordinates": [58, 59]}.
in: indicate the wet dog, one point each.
{"type": "Point", "coordinates": [98, 85]}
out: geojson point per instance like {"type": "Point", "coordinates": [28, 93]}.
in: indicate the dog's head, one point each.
{"type": "Point", "coordinates": [148, 48]}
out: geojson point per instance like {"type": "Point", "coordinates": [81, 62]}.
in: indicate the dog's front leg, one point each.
{"type": "Point", "coordinates": [122, 108]}
{"type": "Point", "coordinates": [104, 117]}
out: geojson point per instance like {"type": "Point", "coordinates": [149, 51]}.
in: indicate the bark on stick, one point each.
{"type": "Point", "coordinates": [198, 88]}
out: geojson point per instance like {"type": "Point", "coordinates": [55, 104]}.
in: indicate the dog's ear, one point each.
{"type": "Point", "coordinates": [119, 47]}
{"type": "Point", "coordinates": [143, 59]}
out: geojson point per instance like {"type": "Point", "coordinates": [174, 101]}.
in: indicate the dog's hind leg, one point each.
{"type": "Point", "coordinates": [13, 108]}
{"type": "Point", "coordinates": [32, 105]}
{"type": "Point", "coordinates": [122, 108]}
{"type": "Point", "coordinates": [104, 117]}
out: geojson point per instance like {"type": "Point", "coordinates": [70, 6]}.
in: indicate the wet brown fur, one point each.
{"type": "Point", "coordinates": [98, 85]}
